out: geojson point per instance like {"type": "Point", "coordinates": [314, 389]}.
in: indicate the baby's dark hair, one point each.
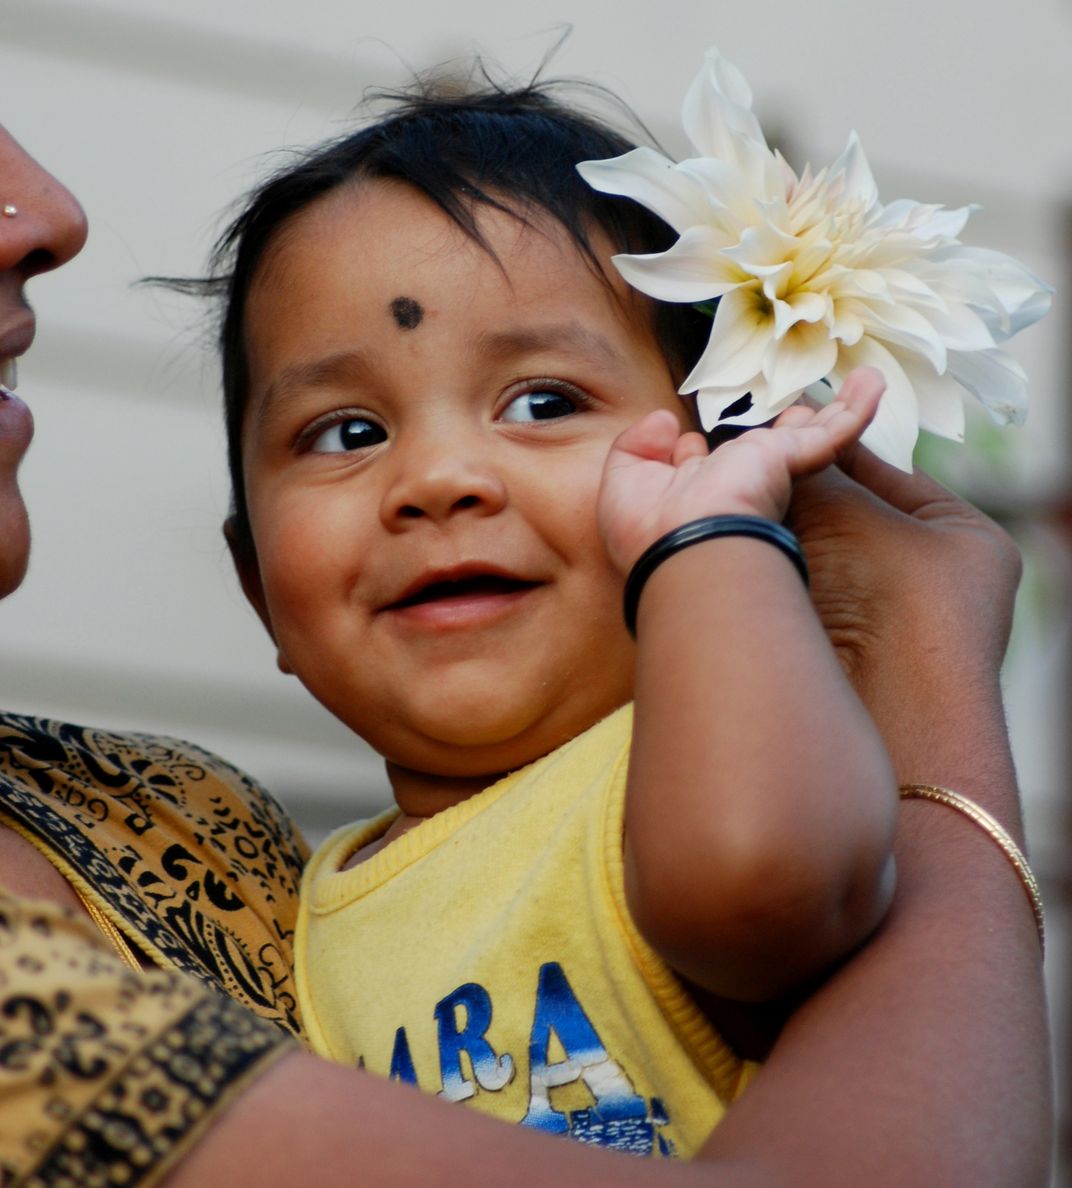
{"type": "Point", "coordinates": [511, 149]}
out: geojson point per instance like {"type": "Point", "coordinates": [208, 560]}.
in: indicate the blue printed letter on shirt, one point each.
{"type": "Point", "coordinates": [491, 1071]}
{"type": "Point", "coordinates": [558, 1010]}
{"type": "Point", "coordinates": [401, 1060]}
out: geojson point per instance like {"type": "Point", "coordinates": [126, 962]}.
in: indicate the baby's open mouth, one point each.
{"type": "Point", "coordinates": [484, 584]}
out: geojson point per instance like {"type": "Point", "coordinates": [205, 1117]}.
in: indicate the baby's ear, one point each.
{"type": "Point", "coordinates": [244, 557]}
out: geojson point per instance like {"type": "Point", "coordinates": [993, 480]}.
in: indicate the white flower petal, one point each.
{"type": "Point", "coordinates": [800, 307]}
{"type": "Point", "coordinates": [712, 402]}
{"type": "Point", "coordinates": [734, 354]}
{"type": "Point", "coordinates": [775, 278]}
{"type": "Point", "coordinates": [1033, 309]}
{"type": "Point", "coordinates": [896, 215]}
{"type": "Point", "coordinates": [1020, 297]}
{"type": "Point", "coordinates": [725, 193]}
{"type": "Point", "coordinates": [941, 224]}
{"type": "Point", "coordinates": [904, 327]}
{"type": "Point", "coordinates": [690, 271]}
{"type": "Point", "coordinates": [810, 262]}
{"type": "Point", "coordinates": [863, 283]}
{"type": "Point", "coordinates": [904, 285]}
{"type": "Point", "coordinates": [960, 328]}
{"type": "Point", "coordinates": [855, 174]}
{"type": "Point", "coordinates": [739, 180]}
{"type": "Point", "coordinates": [946, 224]}
{"type": "Point", "coordinates": [761, 246]}
{"type": "Point", "coordinates": [845, 324]}
{"type": "Point", "coordinates": [923, 221]}
{"type": "Point", "coordinates": [941, 398]}
{"type": "Point", "coordinates": [806, 354]}
{"type": "Point", "coordinates": [892, 434]}
{"type": "Point", "coordinates": [655, 182]}
{"type": "Point", "coordinates": [996, 380]}
{"type": "Point", "coordinates": [717, 110]}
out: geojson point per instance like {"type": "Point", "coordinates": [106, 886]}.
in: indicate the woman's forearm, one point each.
{"type": "Point", "coordinates": [925, 1059]}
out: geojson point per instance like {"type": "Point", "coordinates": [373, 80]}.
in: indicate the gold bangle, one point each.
{"type": "Point", "coordinates": [994, 829]}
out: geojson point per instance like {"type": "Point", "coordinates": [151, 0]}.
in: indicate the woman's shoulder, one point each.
{"type": "Point", "coordinates": [138, 784]}
{"type": "Point", "coordinates": [114, 760]}
{"type": "Point", "coordinates": [102, 1065]}
{"type": "Point", "coordinates": [185, 854]}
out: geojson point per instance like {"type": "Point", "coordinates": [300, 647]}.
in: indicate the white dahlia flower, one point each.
{"type": "Point", "coordinates": [814, 276]}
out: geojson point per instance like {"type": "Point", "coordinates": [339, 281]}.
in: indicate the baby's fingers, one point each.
{"type": "Point", "coordinates": [861, 392]}
{"type": "Point", "coordinates": [651, 439]}
{"type": "Point", "coordinates": [689, 445]}
{"type": "Point", "coordinates": [795, 417]}
{"type": "Point", "coordinates": [820, 435]}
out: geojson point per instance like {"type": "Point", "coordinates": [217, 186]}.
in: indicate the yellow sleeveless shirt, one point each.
{"type": "Point", "coordinates": [488, 956]}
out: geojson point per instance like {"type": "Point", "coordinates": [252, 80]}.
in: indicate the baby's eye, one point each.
{"type": "Point", "coordinates": [542, 404]}
{"type": "Point", "coordinates": [353, 433]}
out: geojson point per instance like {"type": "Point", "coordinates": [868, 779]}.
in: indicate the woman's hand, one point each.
{"type": "Point", "coordinates": [898, 562]}
{"type": "Point", "coordinates": [915, 588]}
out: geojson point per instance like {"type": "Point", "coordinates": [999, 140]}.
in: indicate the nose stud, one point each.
{"type": "Point", "coordinates": [10, 210]}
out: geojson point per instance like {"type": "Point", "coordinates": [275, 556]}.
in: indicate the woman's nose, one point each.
{"type": "Point", "coordinates": [41, 223]}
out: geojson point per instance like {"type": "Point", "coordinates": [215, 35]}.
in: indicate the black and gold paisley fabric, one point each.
{"type": "Point", "coordinates": [187, 857]}
{"type": "Point", "coordinates": [106, 1073]}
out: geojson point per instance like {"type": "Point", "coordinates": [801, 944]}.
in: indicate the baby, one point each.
{"type": "Point", "coordinates": [454, 433]}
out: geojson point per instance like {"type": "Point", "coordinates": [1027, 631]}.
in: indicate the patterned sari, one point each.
{"type": "Point", "coordinates": [120, 1040]}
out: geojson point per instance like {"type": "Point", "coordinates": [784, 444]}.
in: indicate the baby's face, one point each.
{"type": "Point", "coordinates": [423, 445]}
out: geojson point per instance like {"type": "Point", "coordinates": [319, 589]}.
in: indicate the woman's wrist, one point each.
{"type": "Point", "coordinates": [942, 719]}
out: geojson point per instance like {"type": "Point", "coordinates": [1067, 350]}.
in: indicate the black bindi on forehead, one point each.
{"type": "Point", "coordinates": [407, 313]}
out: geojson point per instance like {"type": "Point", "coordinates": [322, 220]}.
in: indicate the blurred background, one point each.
{"type": "Point", "coordinates": [159, 114]}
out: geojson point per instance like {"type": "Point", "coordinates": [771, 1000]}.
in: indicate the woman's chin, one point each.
{"type": "Point", "coordinates": [14, 538]}
{"type": "Point", "coordinates": [16, 430]}
{"type": "Point", "coordinates": [16, 433]}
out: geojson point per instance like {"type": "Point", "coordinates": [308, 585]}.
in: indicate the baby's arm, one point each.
{"type": "Point", "coordinates": [761, 801]}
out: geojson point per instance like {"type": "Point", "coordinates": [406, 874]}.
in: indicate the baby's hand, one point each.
{"type": "Point", "coordinates": [656, 479]}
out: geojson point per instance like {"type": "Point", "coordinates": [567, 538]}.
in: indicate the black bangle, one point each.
{"type": "Point", "coordinates": [696, 531]}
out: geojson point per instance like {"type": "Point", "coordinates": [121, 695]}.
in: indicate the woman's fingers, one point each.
{"type": "Point", "coordinates": [909, 493]}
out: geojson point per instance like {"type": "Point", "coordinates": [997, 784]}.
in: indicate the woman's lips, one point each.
{"type": "Point", "coordinates": [16, 426]}
{"type": "Point", "coordinates": [16, 337]}
{"type": "Point", "coordinates": [16, 421]}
